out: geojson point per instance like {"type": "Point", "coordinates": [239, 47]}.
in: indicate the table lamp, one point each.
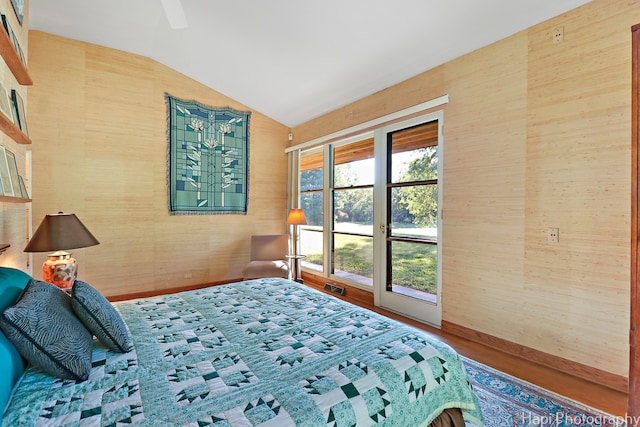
{"type": "Point", "coordinates": [296, 217]}
{"type": "Point", "coordinates": [57, 233]}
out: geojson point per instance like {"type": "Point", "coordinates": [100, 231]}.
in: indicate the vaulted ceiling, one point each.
{"type": "Point", "coordinates": [294, 60]}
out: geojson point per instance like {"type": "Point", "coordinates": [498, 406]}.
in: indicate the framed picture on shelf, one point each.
{"type": "Point", "coordinates": [5, 24]}
{"type": "Point", "coordinates": [18, 8]}
{"type": "Point", "coordinates": [5, 103]}
{"type": "Point", "coordinates": [13, 172]}
{"type": "Point", "coordinates": [13, 38]}
{"type": "Point", "coordinates": [7, 189]}
{"type": "Point", "coordinates": [19, 113]}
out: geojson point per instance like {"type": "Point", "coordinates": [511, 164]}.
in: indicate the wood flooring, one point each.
{"type": "Point", "coordinates": [597, 396]}
{"type": "Point", "coordinates": [589, 393]}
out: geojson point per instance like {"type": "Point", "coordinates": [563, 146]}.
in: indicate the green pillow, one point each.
{"type": "Point", "coordinates": [100, 317]}
{"type": "Point", "coordinates": [46, 332]}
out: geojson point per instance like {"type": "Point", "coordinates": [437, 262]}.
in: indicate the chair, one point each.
{"type": "Point", "coordinates": [268, 256]}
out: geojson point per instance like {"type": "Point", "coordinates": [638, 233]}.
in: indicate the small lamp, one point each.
{"type": "Point", "coordinates": [296, 217]}
{"type": "Point", "coordinates": [58, 232]}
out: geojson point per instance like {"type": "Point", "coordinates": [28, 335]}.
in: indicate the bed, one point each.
{"type": "Point", "coordinates": [268, 352]}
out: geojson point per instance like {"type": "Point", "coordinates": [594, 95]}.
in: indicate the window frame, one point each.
{"type": "Point", "coordinates": [313, 228]}
{"type": "Point", "coordinates": [372, 127]}
{"type": "Point", "coordinates": [357, 142]}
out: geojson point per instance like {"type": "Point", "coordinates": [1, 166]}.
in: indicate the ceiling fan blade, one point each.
{"type": "Point", "coordinates": [175, 14]}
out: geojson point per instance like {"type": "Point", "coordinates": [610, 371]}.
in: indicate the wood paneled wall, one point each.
{"type": "Point", "coordinates": [13, 225]}
{"type": "Point", "coordinates": [98, 121]}
{"type": "Point", "coordinates": [537, 134]}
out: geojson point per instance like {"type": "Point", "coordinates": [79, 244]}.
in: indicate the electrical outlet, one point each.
{"type": "Point", "coordinates": [553, 234]}
{"type": "Point", "coordinates": [188, 275]}
{"type": "Point", "coordinates": [558, 34]}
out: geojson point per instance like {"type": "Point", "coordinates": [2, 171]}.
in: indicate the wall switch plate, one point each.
{"type": "Point", "coordinates": [553, 234]}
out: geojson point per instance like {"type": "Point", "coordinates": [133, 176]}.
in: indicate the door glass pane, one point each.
{"type": "Point", "coordinates": [412, 191]}
{"type": "Point", "coordinates": [353, 257]}
{"type": "Point", "coordinates": [414, 270]}
{"type": "Point", "coordinates": [414, 211]}
{"type": "Point", "coordinates": [416, 165]}
{"type": "Point", "coordinates": [414, 153]}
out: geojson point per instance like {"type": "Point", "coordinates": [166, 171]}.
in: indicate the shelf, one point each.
{"type": "Point", "coordinates": [12, 59]}
{"type": "Point", "coordinates": [12, 131]}
{"type": "Point", "coordinates": [17, 66]}
{"type": "Point", "coordinates": [11, 199]}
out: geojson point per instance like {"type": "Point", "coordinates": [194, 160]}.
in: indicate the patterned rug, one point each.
{"type": "Point", "coordinates": [507, 401]}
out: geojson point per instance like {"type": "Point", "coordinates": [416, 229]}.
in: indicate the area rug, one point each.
{"type": "Point", "coordinates": [506, 401]}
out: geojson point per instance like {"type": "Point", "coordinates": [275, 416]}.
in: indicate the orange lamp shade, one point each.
{"type": "Point", "coordinates": [296, 217]}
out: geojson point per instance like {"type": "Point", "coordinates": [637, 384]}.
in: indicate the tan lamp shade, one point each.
{"type": "Point", "coordinates": [296, 217]}
{"type": "Point", "coordinates": [57, 233]}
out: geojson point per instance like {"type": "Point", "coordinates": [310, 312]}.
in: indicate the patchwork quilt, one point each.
{"type": "Point", "coordinates": [265, 352]}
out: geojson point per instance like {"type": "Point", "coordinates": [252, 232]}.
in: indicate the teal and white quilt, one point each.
{"type": "Point", "coordinates": [266, 352]}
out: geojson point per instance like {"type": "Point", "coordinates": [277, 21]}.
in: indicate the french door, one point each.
{"type": "Point", "coordinates": [407, 271]}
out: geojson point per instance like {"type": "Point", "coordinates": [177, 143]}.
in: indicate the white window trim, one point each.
{"type": "Point", "coordinates": [371, 124]}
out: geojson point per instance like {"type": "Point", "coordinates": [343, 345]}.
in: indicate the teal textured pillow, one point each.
{"type": "Point", "coordinates": [44, 329]}
{"type": "Point", "coordinates": [12, 283]}
{"type": "Point", "coordinates": [100, 317]}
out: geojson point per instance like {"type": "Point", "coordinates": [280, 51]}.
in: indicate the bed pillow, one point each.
{"type": "Point", "coordinates": [46, 332]}
{"type": "Point", "coordinates": [100, 317]}
{"type": "Point", "coordinates": [12, 283]}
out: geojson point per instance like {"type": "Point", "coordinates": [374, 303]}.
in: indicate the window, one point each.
{"type": "Point", "coordinates": [352, 210]}
{"type": "Point", "coordinates": [412, 209]}
{"type": "Point", "coordinates": [373, 204]}
{"type": "Point", "coordinates": [311, 197]}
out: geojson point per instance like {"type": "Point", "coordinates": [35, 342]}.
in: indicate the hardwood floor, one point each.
{"type": "Point", "coordinates": [595, 395]}
{"type": "Point", "coordinates": [589, 393]}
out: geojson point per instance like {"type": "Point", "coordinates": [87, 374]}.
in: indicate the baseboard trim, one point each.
{"type": "Point", "coordinates": [589, 373]}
